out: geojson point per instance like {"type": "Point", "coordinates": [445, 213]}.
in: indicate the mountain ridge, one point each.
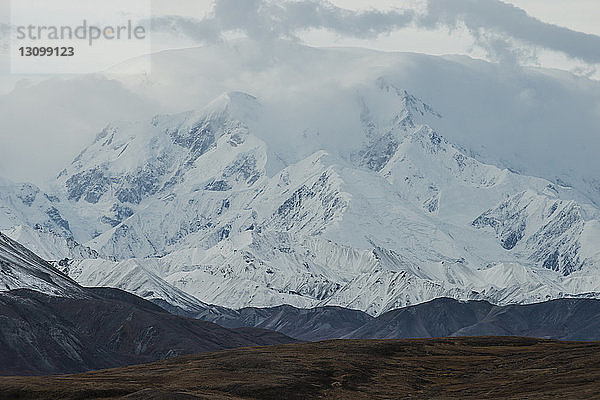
{"type": "Point", "coordinates": [52, 325]}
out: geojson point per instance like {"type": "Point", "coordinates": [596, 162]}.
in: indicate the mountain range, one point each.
{"type": "Point", "coordinates": [316, 203]}
{"type": "Point", "coordinates": [213, 207]}
{"type": "Point", "coordinates": [51, 325]}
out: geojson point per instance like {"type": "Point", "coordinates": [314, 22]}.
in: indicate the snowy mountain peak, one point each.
{"type": "Point", "coordinates": [238, 105]}
{"type": "Point", "coordinates": [388, 115]}
{"type": "Point", "coordinates": [414, 107]}
{"type": "Point", "coordinates": [129, 163]}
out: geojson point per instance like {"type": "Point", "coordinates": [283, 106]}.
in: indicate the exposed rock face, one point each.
{"type": "Point", "coordinates": [45, 335]}
{"type": "Point", "coordinates": [545, 229]}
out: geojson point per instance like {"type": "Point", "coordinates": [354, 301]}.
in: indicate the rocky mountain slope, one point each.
{"type": "Point", "coordinates": [22, 269]}
{"type": "Point", "coordinates": [52, 325]}
{"type": "Point", "coordinates": [564, 319]}
{"type": "Point", "coordinates": [312, 324]}
{"type": "Point", "coordinates": [41, 334]}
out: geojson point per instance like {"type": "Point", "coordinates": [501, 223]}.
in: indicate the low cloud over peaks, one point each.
{"type": "Point", "coordinates": [496, 26]}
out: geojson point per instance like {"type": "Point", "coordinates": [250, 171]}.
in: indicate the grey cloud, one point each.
{"type": "Point", "coordinates": [501, 47]}
{"type": "Point", "coordinates": [496, 26]}
{"type": "Point", "coordinates": [509, 21]}
{"type": "Point", "coordinates": [264, 19]}
{"type": "Point", "coordinates": [204, 30]}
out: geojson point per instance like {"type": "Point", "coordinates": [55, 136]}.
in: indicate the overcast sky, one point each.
{"type": "Point", "coordinates": [580, 15]}
{"type": "Point", "coordinates": [533, 32]}
{"type": "Point", "coordinates": [563, 34]}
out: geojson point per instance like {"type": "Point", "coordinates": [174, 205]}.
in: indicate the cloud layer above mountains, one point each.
{"type": "Point", "coordinates": [502, 29]}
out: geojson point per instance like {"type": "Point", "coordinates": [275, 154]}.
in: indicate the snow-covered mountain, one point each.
{"type": "Point", "coordinates": [25, 203]}
{"type": "Point", "coordinates": [225, 206]}
{"type": "Point", "coordinates": [48, 244]}
{"type": "Point", "coordinates": [550, 232]}
{"type": "Point", "coordinates": [337, 177]}
{"type": "Point", "coordinates": [139, 167]}
{"type": "Point", "coordinates": [136, 277]}
{"type": "Point", "coordinates": [536, 121]}
{"type": "Point", "coordinates": [22, 269]}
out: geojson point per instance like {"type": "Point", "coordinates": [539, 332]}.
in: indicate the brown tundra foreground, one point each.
{"type": "Point", "coordinates": [451, 368]}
